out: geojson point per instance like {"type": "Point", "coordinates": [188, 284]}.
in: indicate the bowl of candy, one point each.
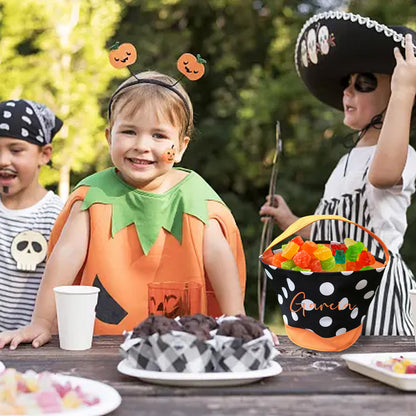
{"type": "Point", "coordinates": [398, 369]}
{"type": "Point", "coordinates": [53, 394]}
{"type": "Point", "coordinates": [324, 288]}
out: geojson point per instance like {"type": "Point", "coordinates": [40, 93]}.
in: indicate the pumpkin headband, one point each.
{"type": "Point", "coordinates": [155, 82]}
{"type": "Point", "coordinates": [125, 55]}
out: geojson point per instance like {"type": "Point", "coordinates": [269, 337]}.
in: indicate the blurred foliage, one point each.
{"type": "Point", "coordinates": [55, 52]}
{"type": "Point", "coordinates": [250, 83]}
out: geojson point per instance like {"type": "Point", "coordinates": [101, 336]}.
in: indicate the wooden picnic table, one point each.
{"type": "Point", "coordinates": [311, 383]}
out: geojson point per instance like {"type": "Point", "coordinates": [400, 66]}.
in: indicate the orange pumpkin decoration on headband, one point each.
{"type": "Point", "coordinates": [122, 55]}
{"type": "Point", "coordinates": [191, 66]}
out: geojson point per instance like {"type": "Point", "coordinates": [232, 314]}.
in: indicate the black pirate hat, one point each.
{"type": "Point", "coordinates": [335, 44]}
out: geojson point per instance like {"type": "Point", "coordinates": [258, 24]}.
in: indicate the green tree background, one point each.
{"type": "Point", "coordinates": [55, 51]}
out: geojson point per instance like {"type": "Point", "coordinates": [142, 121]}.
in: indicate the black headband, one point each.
{"type": "Point", "coordinates": [155, 82]}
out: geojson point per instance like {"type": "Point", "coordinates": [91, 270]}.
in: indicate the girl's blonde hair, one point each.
{"type": "Point", "coordinates": [166, 103]}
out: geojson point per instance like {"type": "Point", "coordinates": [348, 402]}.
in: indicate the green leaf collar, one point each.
{"type": "Point", "coordinates": [148, 211]}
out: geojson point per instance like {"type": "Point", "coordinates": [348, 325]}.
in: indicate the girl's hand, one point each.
{"type": "Point", "coordinates": [404, 74]}
{"type": "Point", "coordinates": [37, 334]}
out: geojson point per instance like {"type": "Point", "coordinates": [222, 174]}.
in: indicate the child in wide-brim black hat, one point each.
{"type": "Point", "coordinates": [367, 70]}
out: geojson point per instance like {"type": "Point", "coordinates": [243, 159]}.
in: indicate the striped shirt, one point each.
{"type": "Point", "coordinates": [383, 211]}
{"type": "Point", "coordinates": [22, 261]}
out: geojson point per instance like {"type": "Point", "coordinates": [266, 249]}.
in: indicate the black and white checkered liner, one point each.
{"type": "Point", "coordinates": [172, 352]}
{"type": "Point", "coordinates": [182, 352]}
{"type": "Point", "coordinates": [234, 355]}
{"type": "Point", "coordinates": [139, 353]}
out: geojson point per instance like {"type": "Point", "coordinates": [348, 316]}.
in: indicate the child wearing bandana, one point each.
{"type": "Point", "coordinates": [27, 210]}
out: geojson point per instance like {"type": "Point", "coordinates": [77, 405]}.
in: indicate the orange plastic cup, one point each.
{"type": "Point", "coordinates": [173, 299]}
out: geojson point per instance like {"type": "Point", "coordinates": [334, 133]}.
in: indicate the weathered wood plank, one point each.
{"type": "Point", "coordinates": [299, 405]}
{"type": "Point", "coordinates": [304, 371]}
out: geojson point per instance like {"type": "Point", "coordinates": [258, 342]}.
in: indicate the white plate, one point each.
{"type": "Point", "coordinates": [110, 399]}
{"type": "Point", "coordinates": [199, 379]}
{"type": "Point", "coordinates": [366, 364]}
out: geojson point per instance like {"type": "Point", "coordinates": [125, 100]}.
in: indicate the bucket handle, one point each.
{"type": "Point", "coordinates": [309, 219]}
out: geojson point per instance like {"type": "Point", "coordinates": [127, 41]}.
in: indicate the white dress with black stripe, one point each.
{"type": "Point", "coordinates": [383, 211]}
{"type": "Point", "coordinates": [20, 251]}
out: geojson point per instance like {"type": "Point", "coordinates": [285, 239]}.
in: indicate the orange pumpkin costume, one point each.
{"type": "Point", "coordinates": [138, 237]}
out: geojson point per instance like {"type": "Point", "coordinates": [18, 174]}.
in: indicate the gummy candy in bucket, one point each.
{"type": "Point", "coordinates": [322, 310]}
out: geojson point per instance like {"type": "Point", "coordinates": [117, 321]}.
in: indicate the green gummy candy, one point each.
{"type": "Point", "coordinates": [354, 251]}
{"type": "Point", "coordinates": [300, 269]}
{"type": "Point", "coordinates": [288, 264]}
{"type": "Point", "coordinates": [328, 264]}
{"type": "Point", "coordinates": [367, 268]}
{"type": "Point", "coordinates": [359, 245]}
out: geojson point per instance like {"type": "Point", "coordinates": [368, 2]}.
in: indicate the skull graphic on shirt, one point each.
{"type": "Point", "coordinates": [29, 249]}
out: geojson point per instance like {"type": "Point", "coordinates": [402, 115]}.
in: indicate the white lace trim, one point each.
{"type": "Point", "coordinates": [371, 24]}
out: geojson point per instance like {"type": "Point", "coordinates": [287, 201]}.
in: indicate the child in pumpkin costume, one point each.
{"type": "Point", "coordinates": [142, 221]}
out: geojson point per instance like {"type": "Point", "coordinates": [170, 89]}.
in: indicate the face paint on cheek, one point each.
{"type": "Point", "coordinates": [169, 155]}
{"type": "Point", "coordinates": [6, 189]}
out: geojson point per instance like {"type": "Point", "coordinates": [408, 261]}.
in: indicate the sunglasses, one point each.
{"type": "Point", "coordinates": [365, 82]}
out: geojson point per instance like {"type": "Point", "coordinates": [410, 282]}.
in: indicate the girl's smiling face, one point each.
{"type": "Point", "coordinates": [137, 145]}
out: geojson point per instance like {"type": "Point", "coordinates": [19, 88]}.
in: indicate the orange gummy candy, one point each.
{"type": "Point", "coordinates": [298, 240]}
{"type": "Point", "coordinates": [322, 253]}
{"type": "Point", "coordinates": [315, 265]}
{"type": "Point", "coordinates": [353, 266]}
{"type": "Point", "coordinates": [290, 250]}
{"type": "Point", "coordinates": [277, 259]}
{"type": "Point", "coordinates": [309, 247]}
{"type": "Point", "coordinates": [302, 259]}
{"type": "Point", "coordinates": [366, 258]}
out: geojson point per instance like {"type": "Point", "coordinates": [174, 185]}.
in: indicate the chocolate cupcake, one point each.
{"type": "Point", "coordinates": [250, 319]}
{"type": "Point", "coordinates": [199, 343]}
{"type": "Point", "coordinates": [243, 328]}
{"type": "Point", "coordinates": [163, 344]}
{"type": "Point", "coordinates": [201, 319]}
{"type": "Point", "coordinates": [155, 324]}
{"type": "Point", "coordinates": [198, 324]}
{"type": "Point", "coordinates": [243, 344]}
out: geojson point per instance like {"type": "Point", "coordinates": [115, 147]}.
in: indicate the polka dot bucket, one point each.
{"type": "Point", "coordinates": [323, 311]}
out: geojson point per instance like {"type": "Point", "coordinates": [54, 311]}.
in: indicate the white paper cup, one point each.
{"type": "Point", "coordinates": [75, 308]}
{"type": "Point", "coordinates": [412, 293]}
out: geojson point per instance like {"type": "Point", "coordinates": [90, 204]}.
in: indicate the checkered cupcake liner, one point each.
{"type": "Point", "coordinates": [138, 353]}
{"type": "Point", "coordinates": [175, 351]}
{"type": "Point", "coordinates": [181, 352]}
{"type": "Point", "coordinates": [233, 355]}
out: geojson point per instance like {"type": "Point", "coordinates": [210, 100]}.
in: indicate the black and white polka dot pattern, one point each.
{"type": "Point", "coordinates": [29, 121]}
{"type": "Point", "coordinates": [328, 304]}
